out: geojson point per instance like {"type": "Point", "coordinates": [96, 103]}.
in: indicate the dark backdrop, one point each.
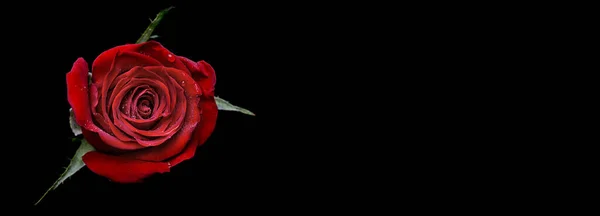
{"type": "Point", "coordinates": [308, 70]}
{"type": "Point", "coordinates": [300, 150]}
{"type": "Point", "coordinates": [226, 169]}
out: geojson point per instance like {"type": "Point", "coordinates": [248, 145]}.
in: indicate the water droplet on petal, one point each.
{"type": "Point", "coordinates": [171, 57]}
{"type": "Point", "coordinates": [182, 82]}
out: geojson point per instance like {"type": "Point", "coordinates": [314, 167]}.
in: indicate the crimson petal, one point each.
{"type": "Point", "coordinates": [203, 74]}
{"type": "Point", "coordinates": [181, 139]}
{"type": "Point", "coordinates": [120, 169]}
{"type": "Point", "coordinates": [203, 130]}
{"type": "Point", "coordinates": [102, 64]}
{"type": "Point", "coordinates": [157, 51]}
{"type": "Point", "coordinates": [78, 97]}
{"type": "Point", "coordinates": [78, 94]}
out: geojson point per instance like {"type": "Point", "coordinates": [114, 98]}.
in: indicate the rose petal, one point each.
{"type": "Point", "coordinates": [78, 97]}
{"type": "Point", "coordinates": [159, 81]}
{"type": "Point", "coordinates": [103, 63]}
{"type": "Point", "coordinates": [167, 126]}
{"type": "Point", "coordinates": [203, 130]}
{"type": "Point", "coordinates": [142, 103]}
{"type": "Point", "coordinates": [127, 127]}
{"type": "Point", "coordinates": [123, 60]}
{"type": "Point", "coordinates": [173, 122]}
{"type": "Point", "coordinates": [203, 74]}
{"type": "Point", "coordinates": [179, 141]}
{"type": "Point", "coordinates": [192, 67]}
{"type": "Point", "coordinates": [159, 77]}
{"type": "Point", "coordinates": [77, 94]}
{"type": "Point", "coordinates": [183, 79]}
{"type": "Point", "coordinates": [155, 50]}
{"type": "Point", "coordinates": [120, 169]}
{"type": "Point", "coordinates": [120, 144]}
{"type": "Point", "coordinates": [94, 140]}
{"type": "Point", "coordinates": [118, 114]}
{"type": "Point", "coordinates": [208, 85]}
{"type": "Point", "coordinates": [93, 96]}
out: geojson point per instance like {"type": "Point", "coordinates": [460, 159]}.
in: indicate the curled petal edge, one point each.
{"type": "Point", "coordinates": [121, 169]}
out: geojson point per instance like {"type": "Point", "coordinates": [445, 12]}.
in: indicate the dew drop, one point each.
{"type": "Point", "coordinates": [182, 82]}
{"type": "Point", "coordinates": [171, 57]}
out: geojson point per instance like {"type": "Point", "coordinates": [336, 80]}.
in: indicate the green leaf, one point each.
{"type": "Point", "coordinates": [225, 105]}
{"type": "Point", "coordinates": [146, 35]}
{"type": "Point", "coordinates": [74, 126]}
{"type": "Point", "coordinates": [75, 165]}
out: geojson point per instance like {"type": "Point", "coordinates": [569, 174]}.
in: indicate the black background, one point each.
{"type": "Point", "coordinates": [286, 63]}
{"type": "Point", "coordinates": [307, 69]}
{"type": "Point", "coordinates": [229, 169]}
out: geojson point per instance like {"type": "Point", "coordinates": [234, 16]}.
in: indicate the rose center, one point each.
{"type": "Point", "coordinates": [140, 103]}
{"type": "Point", "coordinates": [144, 108]}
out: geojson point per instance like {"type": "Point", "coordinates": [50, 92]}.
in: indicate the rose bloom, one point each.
{"type": "Point", "coordinates": [144, 110]}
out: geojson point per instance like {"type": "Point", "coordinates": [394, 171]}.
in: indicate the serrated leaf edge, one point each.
{"type": "Point", "coordinates": [84, 147]}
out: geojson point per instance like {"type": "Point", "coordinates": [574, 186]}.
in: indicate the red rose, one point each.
{"type": "Point", "coordinates": [144, 111]}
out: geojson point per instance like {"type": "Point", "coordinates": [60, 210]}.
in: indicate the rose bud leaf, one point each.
{"type": "Point", "coordinates": [75, 165]}
{"type": "Point", "coordinates": [74, 126]}
{"type": "Point", "coordinates": [225, 105]}
{"type": "Point", "coordinates": [148, 32]}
